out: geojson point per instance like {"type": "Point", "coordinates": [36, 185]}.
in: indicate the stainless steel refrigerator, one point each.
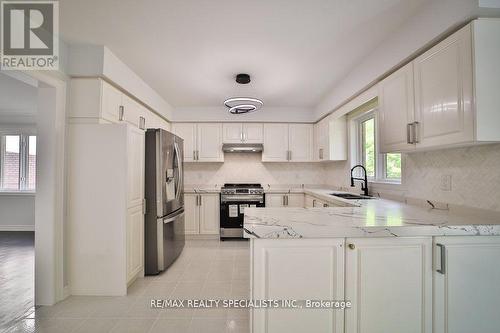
{"type": "Point", "coordinates": [164, 190]}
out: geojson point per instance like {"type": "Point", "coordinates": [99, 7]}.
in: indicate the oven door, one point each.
{"type": "Point", "coordinates": [232, 210]}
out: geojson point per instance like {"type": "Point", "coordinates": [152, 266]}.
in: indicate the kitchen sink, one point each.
{"type": "Point", "coordinates": [350, 196]}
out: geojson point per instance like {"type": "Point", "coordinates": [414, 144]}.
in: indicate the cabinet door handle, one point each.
{"type": "Point", "coordinates": [321, 153]}
{"type": "Point", "coordinates": [194, 155]}
{"type": "Point", "coordinates": [409, 134]}
{"type": "Point", "coordinates": [199, 196]}
{"type": "Point", "coordinates": [142, 123]}
{"type": "Point", "coordinates": [144, 211]}
{"type": "Point", "coordinates": [442, 264]}
{"type": "Point", "coordinates": [314, 202]}
{"type": "Point", "coordinates": [351, 246]}
{"type": "Point", "coordinates": [416, 129]}
{"type": "Point", "coordinates": [241, 136]}
{"type": "Point", "coordinates": [121, 112]}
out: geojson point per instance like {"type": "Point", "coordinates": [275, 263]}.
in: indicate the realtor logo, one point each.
{"type": "Point", "coordinates": [29, 36]}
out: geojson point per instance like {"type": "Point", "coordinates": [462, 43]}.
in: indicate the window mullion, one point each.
{"type": "Point", "coordinates": [22, 163]}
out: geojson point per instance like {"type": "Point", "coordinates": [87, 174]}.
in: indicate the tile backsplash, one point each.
{"type": "Point", "coordinates": [244, 167]}
{"type": "Point", "coordinates": [474, 172]}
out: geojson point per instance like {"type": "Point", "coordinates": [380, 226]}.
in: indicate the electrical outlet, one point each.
{"type": "Point", "coordinates": [445, 183]}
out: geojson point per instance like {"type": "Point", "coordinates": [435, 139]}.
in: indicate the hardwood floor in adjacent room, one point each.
{"type": "Point", "coordinates": [17, 256]}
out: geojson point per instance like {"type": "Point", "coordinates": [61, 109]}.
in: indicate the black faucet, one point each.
{"type": "Point", "coordinates": [364, 185]}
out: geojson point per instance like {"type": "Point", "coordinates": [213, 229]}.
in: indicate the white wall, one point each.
{"type": "Point", "coordinates": [17, 212]}
{"type": "Point", "coordinates": [430, 23]}
{"type": "Point", "coordinates": [240, 168]}
{"type": "Point", "coordinates": [266, 114]}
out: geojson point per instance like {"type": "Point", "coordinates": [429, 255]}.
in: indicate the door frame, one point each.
{"type": "Point", "coordinates": [51, 282]}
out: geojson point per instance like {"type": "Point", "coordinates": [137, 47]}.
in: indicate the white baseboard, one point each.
{"type": "Point", "coordinates": [17, 227]}
{"type": "Point", "coordinates": [66, 292]}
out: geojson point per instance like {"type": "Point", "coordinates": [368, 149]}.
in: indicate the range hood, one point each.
{"type": "Point", "coordinates": [242, 147]}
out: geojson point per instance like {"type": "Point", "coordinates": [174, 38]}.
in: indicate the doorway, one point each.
{"type": "Point", "coordinates": [32, 191]}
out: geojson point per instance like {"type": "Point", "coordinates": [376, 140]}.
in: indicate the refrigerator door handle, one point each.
{"type": "Point", "coordinates": [179, 166]}
{"type": "Point", "coordinates": [172, 219]}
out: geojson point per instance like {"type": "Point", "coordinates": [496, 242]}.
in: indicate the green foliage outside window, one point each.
{"type": "Point", "coordinates": [393, 166]}
{"type": "Point", "coordinates": [369, 146]}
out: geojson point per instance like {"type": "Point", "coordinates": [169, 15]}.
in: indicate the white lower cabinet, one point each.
{"type": "Point", "coordinates": [202, 214]}
{"type": "Point", "coordinates": [285, 269]}
{"type": "Point", "coordinates": [389, 282]}
{"type": "Point", "coordinates": [311, 202]}
{"type": "Point", "coordinates": [209, 214]}
{"type": "Point", "coordinates": [284, 200]}
{"type": "Point", "coordinates": [135, 242]}
{"type": "Point", "coordinates": [105, 208]}
{"type": "Point", "coordinates": [466, 284]}
{"type": "Point", "coordinates": [192, 214]}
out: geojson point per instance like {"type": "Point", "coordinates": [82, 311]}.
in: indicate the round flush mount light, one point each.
{"type": "Point", "coordinates": [241, 105]}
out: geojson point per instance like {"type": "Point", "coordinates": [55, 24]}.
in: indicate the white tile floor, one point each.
{"type": "Point", "coordinates": [205, 270]}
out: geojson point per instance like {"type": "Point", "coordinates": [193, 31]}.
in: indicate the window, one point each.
{"type": "Point", "coordinates": [368, 145]}
{"type": "Point", "coordinates": [379, 167]}
{"type": "Point", "coordinates": [17, 162]}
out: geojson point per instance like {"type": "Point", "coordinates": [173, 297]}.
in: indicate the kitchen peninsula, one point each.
{"type": "Point", "coordinates": [402, 267]}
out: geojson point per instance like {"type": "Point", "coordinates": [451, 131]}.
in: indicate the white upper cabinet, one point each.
{"type": "Point", "coordinates": [443, 92]}
{"type": "Point", "coordinates": [288, 143]}
{"type": "Point", "coordinates": [202, 142]}
{"type": "Point", "coordinates": [232, 132]}
{"type": "Point", "coordinates": [330, 139]}
{"type": "Point", "coordinates": [111, 102]}
{"type": "Point", "coordinates": [275, 143]}
{"type": "Point", "coordinates": [242, 133]}
{"type": "Point", "coordinates": [396, 110]}
{"type": "Point", "coordinates": [253, 133]}
{"type": "Point", "coordinates": [300, 142]}
{"type": "Point", "coordinates": [455, 93]}
{"type": "Point", "coordinates": [96, 101]}
{"type": "Point", "coordinates": [187, 131]}
{"type": "Point", "coordinates": [209, 145]}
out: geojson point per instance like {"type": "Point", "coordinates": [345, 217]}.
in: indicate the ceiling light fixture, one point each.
{"type": "Point", "coordinates": [242, 105]}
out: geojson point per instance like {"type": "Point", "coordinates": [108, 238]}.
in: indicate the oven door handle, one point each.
{"type": "Point", "coordinates": [241, 199]}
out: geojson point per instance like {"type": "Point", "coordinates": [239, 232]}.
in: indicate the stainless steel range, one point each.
{"type": "Point", "coordinates": [234, 198]}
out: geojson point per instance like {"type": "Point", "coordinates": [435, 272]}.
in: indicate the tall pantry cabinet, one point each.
{"type": "Point", "coordinates": [106, 187]}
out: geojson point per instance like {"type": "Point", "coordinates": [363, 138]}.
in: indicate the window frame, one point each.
{"type": "Point", "coordinates": [380, 158]}
{"type": "Point", "coordinates": [24, 134]}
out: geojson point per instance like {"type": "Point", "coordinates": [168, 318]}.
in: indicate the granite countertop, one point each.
{"type": "Point", "coordinates": [363, 218]}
